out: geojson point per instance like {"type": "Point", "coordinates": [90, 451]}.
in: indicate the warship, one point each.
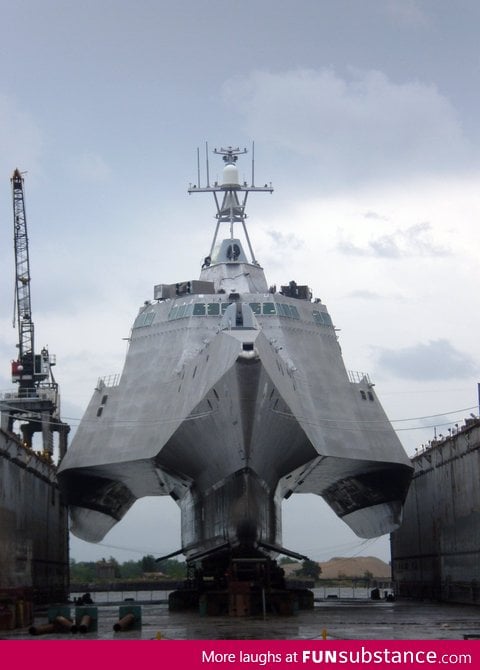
{"type": "Point", "coordinates": [234, 396]}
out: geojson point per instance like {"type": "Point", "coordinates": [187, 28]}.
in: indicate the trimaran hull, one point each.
{"type": "Point", "coordinates": [233, 397]}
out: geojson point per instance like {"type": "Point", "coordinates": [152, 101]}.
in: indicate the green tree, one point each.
{"type": "Point", "coordinates": [286, 560]}
{"type": "Point", "coordinates": [149, 564]}
{"type": "Point", "coordinates": [131, 570]}
{"type": "Point", "coordinates": [82, 571]}
{"type": "Point", "coordinates": [310, 569]}
{"type": "Point", "coordinates": [173, 568]}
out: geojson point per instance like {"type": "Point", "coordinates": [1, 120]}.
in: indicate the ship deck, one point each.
{"type": "Point", "coordinates": [341, 619]}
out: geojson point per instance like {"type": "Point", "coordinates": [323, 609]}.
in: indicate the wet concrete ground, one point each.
{"type": "Point", "coordinates": [342, 619]}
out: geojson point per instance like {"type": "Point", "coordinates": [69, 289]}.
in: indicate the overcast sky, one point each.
{"type": "Point", "coordinates": [365, 119]}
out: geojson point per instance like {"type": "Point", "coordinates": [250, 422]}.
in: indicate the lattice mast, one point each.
{"type": "Point", "coordinates": [233, 193]}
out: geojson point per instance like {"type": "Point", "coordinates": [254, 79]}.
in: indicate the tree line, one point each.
{"type": "Point", "coordinates": [95, 571]}
{"type": "Point", "coordinates": [91, 571]}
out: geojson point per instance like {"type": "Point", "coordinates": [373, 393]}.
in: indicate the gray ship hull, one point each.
{"type": "Point", "coordinates": [231, 421]}
{"type": "Point", "coordinates": [234, 396]}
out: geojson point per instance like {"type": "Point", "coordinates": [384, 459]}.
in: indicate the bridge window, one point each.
{"type": "Point", "coordinates": [269, 308]}
{"type": "Point", "coordinates": [199, 309]}
{"type": "Point", "coordinates": [144, 319]}
{"type": "Point", "coordinates": [289, 311]}
{"type": "Point", "coordinates": [322, 318]}
{"type": "Point", "coordinates": [294, 312]}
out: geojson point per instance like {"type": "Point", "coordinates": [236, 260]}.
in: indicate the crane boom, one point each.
{"type": "Point", "coordinates": [29, 369]}
{"type": "Point", "coordinates": [23, 368]}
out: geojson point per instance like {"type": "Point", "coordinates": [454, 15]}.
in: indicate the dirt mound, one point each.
{"type": "Point", "coordinates": [360, 566]}
{"type": "Point", "coordinates": [340, 567]}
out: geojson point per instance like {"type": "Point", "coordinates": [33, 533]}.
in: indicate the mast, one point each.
{"type": "Point", "coordinates": [232, 207]}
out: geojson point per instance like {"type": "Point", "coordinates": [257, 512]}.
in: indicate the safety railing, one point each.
{"type": "Point", "coordinates": [358, 377]}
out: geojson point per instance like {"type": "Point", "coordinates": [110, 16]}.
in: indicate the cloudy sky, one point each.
{"type": "Point", "coordinates": [365, 119]}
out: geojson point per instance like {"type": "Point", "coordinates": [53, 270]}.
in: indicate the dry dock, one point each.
{"type": "Point", "coordinates": [343, 619]}
{"type": "Point", "coordinates": [435, 553]}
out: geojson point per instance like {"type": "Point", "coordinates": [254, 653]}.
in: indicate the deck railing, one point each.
{"type": "Point", "coordinates": [109, 380]}
{"type": "Point", "coordinates": [357, 377]}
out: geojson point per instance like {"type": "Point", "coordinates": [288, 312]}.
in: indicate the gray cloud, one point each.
{"type": "Point", "coordinates": [26, 143]}
{"type": "Point", "coordinates": [413, 241]}
{"type": "Point", "coordinates": [90, 166]}
{"type": "Point", "coordinates": [375, 216]}
{"type": "Point", "coordinates": [352, 127]}
{"type": "Point", "coordinates": [435, 360]}
{"type": "Point", "coordinates": [407, 12]}
{"type": "Point", "coordinates": [285, 242]}
{"type": "Point", "coordinates": [365, 295]}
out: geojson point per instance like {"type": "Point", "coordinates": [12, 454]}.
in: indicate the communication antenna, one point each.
{"type": "Point", "coordinates": [208, 169]}
{"type": "Point", "coordinates": [253, 164]}
{"type": "Point", "coordinates": [198, 166]}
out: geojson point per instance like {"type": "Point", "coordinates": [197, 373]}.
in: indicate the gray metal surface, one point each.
{"type": "Point", "coordinates": [230, 402]}
{"type": "Point", "coordinates": [33, 525]}
{"type": "Point", "coordinates": [436, 551]}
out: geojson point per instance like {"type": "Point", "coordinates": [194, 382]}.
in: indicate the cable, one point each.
{"type": "Point", "coordinates": [137, 550]}
{"type": "Point", "coordinates": [352, 424]}
{"type": "Point", "coordinates": [432, 416]}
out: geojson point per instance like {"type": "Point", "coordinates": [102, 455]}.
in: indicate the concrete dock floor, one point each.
{"type": "Point", "coordinates": [342, 619]}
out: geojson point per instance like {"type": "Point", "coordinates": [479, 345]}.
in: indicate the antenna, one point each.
{"type": "Point", "coordinates": [198, 167]}
{"type": "Point", "coordinates": [253, 163]}
{"type": "Point", "coordinates": [208, 170]}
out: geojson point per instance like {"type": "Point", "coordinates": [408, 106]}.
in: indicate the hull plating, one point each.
{"type": "Point", "coordinates": [229, 421]}
{"type": "Point", "coordinates": [233, 397]}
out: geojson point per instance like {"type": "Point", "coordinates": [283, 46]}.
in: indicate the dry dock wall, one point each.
{"type": "Point", "coordinates": [33, 526]}
{"type": "Point", "coordinates": [436, 551]}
